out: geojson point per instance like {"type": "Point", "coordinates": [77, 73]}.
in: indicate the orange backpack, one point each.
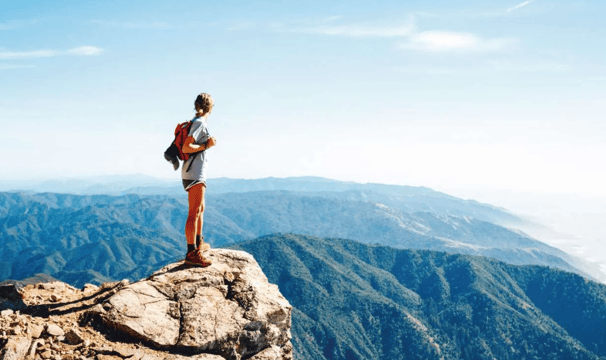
{"type": "Point", "coordinates": [181, 133]}
{"type": "Point", "coordinates": [175, 150]}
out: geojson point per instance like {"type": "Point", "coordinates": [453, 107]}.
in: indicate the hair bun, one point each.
{"type": "Point", "coordinates": [205, 102]}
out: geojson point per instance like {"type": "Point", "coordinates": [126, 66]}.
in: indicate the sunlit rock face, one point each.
{"type": "Point", "coordinates": [226, 311]}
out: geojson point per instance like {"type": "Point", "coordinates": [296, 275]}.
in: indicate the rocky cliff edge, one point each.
{"type": "Point", "coordinates": [226, 311]}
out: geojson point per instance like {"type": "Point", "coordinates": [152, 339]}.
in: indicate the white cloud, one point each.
{"type": "Point", "coordinates": [425, 14]}
{"type": "Point", "coordinates": [528, 66]}
{"type": "Point", "coordinates": [36, 54]}
{"type": "Point", "coordinates": [520, 5]}
{"type": "Point", "coordinates": [85, 51]}
{"type": "Point", "coordinates": [14, 66]}
{"type": "Point", "coordinates": [410, 37]}
{"type": "Point", "coordinates": [333, 18]}
{"type": "Point", "coordinates": [132, 25]}
{"type": "Point", "coordinates": [13, 55]}
{"type": "Point", "coordinates": [429, 70]}
{"type": "Point", "coordinates": [537, 66]}
{"type": "Point", "coordinates": [360, 31]}
{"type": "Point", "coordinates": [450, 41]}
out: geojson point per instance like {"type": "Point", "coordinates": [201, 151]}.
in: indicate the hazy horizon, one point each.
{"type": "Point", "coordinates": [575, 221]}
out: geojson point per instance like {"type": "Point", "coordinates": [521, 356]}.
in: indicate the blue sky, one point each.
{"type": "Point", "coordinates": [474, 94]}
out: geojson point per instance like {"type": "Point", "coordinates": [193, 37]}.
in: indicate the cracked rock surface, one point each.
{"type": "Point", "coordinates": [225, 311]}
{"type": "Point", "coordinates": [229, 309]}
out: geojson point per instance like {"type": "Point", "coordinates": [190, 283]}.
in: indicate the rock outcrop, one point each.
{"type": "Point", "coordinates": [226, 311]}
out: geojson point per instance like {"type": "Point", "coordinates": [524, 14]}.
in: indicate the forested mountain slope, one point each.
{"type": "Point", "coordinates": [355, 301]}
{"type": "Point", "coordinates": [98, 238]}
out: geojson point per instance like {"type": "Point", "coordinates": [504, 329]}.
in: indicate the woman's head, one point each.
{"type": "Point", "coordinates": [204, 104]}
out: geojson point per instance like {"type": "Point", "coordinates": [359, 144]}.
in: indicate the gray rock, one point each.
{"type": "Point", "coordinates": [10, 297]}
{"type": "Point", "coordinates": [175, 357]}
{"type": "Point", "coordinates": [90, 288]}
{"type": "Point", "coordinates": [201, 357]}
{"type": "Point", "coordinates": [126, 353]}
{"type": "Point", "coordinates": [228, 309]}
{"type": "Point", "coordinates": [15, 348]}
{"type": "Point", "coordinates": [54, 330]}
{"type": "Point", "coordinates": [73, 337]}
{"type": "Point", "coordinates": [7, 312]}
{"type": "Point", "coordinates": [106, 357]}
{"type": "Point", "coordinates": [273, 353]}
{"type": "Point", "coordinates": [34, 347]}
{"type": "Point", "coordinates": [143, 312]}
{"type": "Point", "coordinates": [35, 331]}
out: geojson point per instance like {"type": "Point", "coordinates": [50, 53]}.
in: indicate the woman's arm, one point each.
{"type": "Point", "coordinates": [190, 146]}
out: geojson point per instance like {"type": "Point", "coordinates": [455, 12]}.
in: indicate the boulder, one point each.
{"type": "Point", "coordinates": [229, 309]}
{"type": "Point", "coordinates": [54, 330]}
{"type": "Point", "coordinates": [35, 331]}
{"type": "Point", "coordinates": [73, 337]}
{"type": "Point", "coordinates": [10, 297]}
{"type": "Point", "coordinates": [15, 348]}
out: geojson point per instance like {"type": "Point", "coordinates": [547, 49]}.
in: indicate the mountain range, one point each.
{"type": "Point", "coordinates": [409, 284]}
{"type": "Point", "coordinates": [358, 301]}
{"type": "Point", "coordinates": [407, 198]}
{"type": "Point", "coordinates": [97, 238]}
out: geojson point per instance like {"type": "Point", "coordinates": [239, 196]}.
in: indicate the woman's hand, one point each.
{"type": "Point", "coordinates": [190, 146]}
{"type": "Point", "coordinates": [212, 141]}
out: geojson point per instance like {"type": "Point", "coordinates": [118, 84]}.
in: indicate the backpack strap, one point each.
{"type": "Point", "coordinates": [192, 157]}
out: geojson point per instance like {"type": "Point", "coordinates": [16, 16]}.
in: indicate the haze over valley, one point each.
{"type": "Point", "coordinates": [239, 210]}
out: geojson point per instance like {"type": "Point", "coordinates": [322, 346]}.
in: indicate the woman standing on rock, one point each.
{"type": "Point", "coordinates": [193, 174]}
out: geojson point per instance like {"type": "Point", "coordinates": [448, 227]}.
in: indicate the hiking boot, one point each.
{"type": "Point", "coordinates": [201, 245]}
{"type": "Point", "coordinates": [195, 258]}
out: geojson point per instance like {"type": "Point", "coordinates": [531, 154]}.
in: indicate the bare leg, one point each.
{"type": "Point", "coordinates": [193, 225]}
{"type": "Point", "coordinates": [200, 218]}
{"type": "Point", "coordinates": [200, 224]}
